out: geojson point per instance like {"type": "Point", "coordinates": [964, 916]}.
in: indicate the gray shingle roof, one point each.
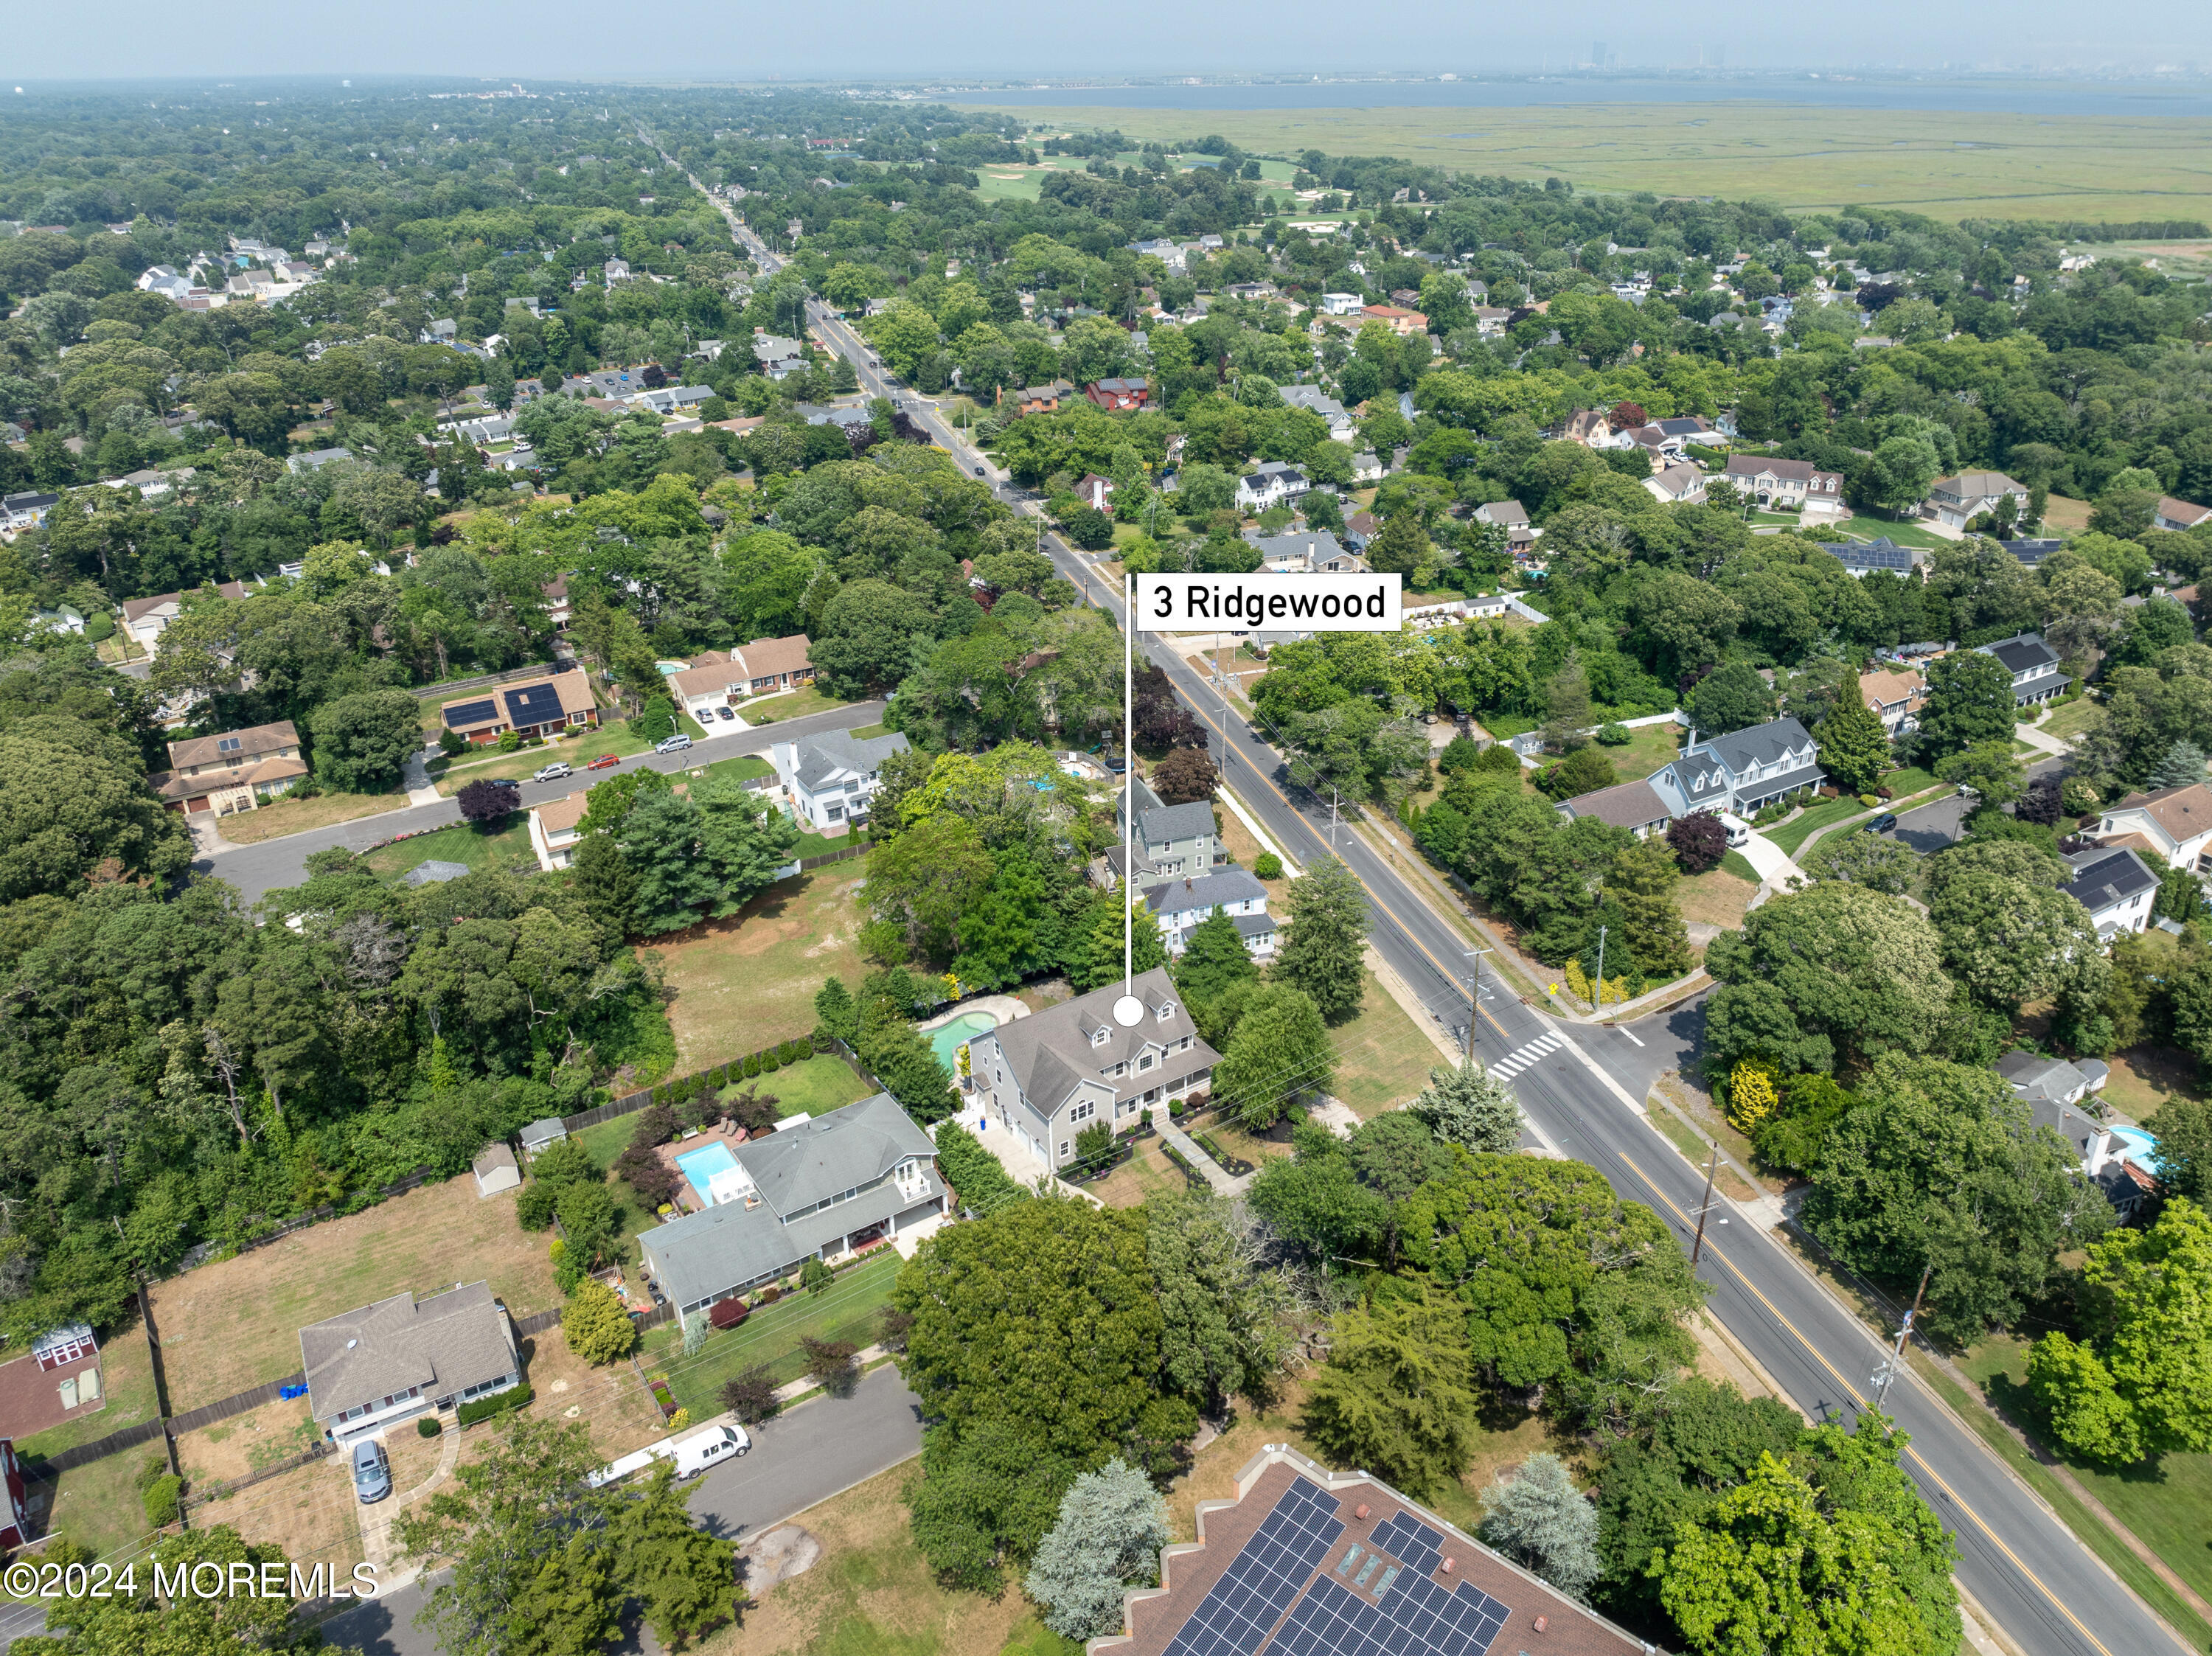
{"type": "Point", "coordinates": [1164, 823]}
{"type": "Point", "coordinates": [1221, 888]}
{"type": "Point", "coordinates": [1316, 546]}
{"type": "Point", "coordinates": [803, 1164]}
{"type": "Point", "coordinates": [455, 1339]}
{"type": "Point", "coordinates": [1630, 805]}
{"type": "Point", "coordinates": [835, 752]}
{"type": "Point", "coordinates": [1049, 1053]}
{"type": "Point", "coordinates": [1761, 744]}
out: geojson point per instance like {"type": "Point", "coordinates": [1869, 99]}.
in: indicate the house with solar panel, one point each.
{"type": "Point", "coordinates": [2115, 886]}
{"type": "Point", "coordinates": [539, 706]}
{"type": "Point", "coordinates": [2033, 664]}
{"type": "Point", "coordinates": [238, 770]}
{"type": "Point", "coordinates": [1861, 558]}
{"type": "Point", "coordinates": [1305, 1561]}
{"type": "Point", "coordinates": [1743, 772]}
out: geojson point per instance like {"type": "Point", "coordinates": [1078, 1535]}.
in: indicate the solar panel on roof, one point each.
{"type": "Point", "coordinates": [534, 704]}
{"type": "Point", "coordinates": [1406, 1537]}
{"type": "Point", "coordinates": [1239, 1610]}
{"type": "Point", "coordinates": [1417, 1618]}
{"type": "Point", "coordinates": [470, 713]}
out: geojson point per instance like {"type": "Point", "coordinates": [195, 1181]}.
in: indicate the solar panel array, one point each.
{"type": "Point", "coordinates": [470, 713]}
{"type": "Point", "coordinates": [1870, 555]}
{"type": "Point", "coordinates": [534, 704]}
{"type": "Point", "coordinates": [1257, 1587]}
{"type": "Point", "coordinates": [1413, 1617]}
{"type": "Point", "coordinates": [1406, 1537]}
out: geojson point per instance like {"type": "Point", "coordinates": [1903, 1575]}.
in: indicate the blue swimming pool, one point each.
{"type": "Point", "coordinates": [699, 1166]}
{"type": "Point", "coordinates": [2139, 1147]}
{"type": "Point", "coordinates": [947, 1041]}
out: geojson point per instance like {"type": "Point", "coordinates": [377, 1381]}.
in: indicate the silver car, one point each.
{"type": "Point", "coordinates": [372, 1471]}
{"type": "Point", "coordinates": [558, 771]}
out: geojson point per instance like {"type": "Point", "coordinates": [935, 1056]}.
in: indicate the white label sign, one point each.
{"type": "Point", "coordinates": [1268, 602]}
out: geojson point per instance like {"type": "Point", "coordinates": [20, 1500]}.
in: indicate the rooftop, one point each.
{"type": "Point", "coordinates": [449, 1341]}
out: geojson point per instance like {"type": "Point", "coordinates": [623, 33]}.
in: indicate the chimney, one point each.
{"type": "Point", "coordinates": [1542, 1624]}
{"type": "Point", "coordinates": [1450, 1565]}
{"type": "Point", "coordinates": [1360, 1512]}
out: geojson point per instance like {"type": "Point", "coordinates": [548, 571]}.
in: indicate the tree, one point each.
{"type": "Point", "coordinates": [182, 1624]}
{"type": "Point", "coordinates": [685, 1577]}
{"type": "Point", "coordinates": [1088, 528]}
{"type": "Point", "coordinates": [1538, 1518]}
{"type": "Point", "coordinates": [66, 807]}
{"type": "Point", "coordinates": [1185, 775]}
{"type": "Point", "coordinates": [1401, 546]}
{"type": "Point", "coordinates": [1941, 1166]}
{"type": "Point", "coordinates": [744, 838]}
{"type": "Point", "coordinates": [1854, 746]}
{"type": "Point", "coordinates": [1733, 697]}
{"type": "Point", "coordinates": [595, 1324]}
{"type": "Point", "coordinates": [678, 884]}
{"type": "Point", "coordinates": [362, 742]}
{"type": "Point", "coordinates": [1774, 1564]}
{"type": "Point", "coordinates": [2011, 941]}
{"type": "Point", "coordinates": [603, 878]}
{"type": "Point", "coordinates": [1699, 840]}
{"type": "Point", "coordinates": [1397, 1395]}
{"type": "Point", "coordinates": [1863, 858]}
{"type": "Point", "coordinates": [1468, 1104]}
{"type": "Point", "coordinates": [1112, 1525]}
{"type": "Point", "coordinates": [1584, 771]}
{"type": "Point", "coordinates": [1641, 886]}
{"type": "Point", "coordinates": [1281, 1052]}
{"type": "Point", "coordinates": [484, 802]}
{"type": "Point", "coordinates": [1224, 1332]}
{"type": "Point", "coordinates": [2183, 766]}
{"type": "Point", "coordinates": [1970, 700]}
{"type": "Point", "coordinates": [1325, 939]}
{"type": "Point", "coordinates": [985, 1494]}
{"type": "Point", "coordinates": [873, 634]}
{"type": "Point", "coordinates": [1213, 957]}
{"type": "Point", "coordinates": [2131, 1389]}
{"type": "Point", "coordinates": [1989, 769]}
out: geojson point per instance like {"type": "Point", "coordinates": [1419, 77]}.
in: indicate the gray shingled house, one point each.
{"type": "Point", "coordinates": [371, 1367]}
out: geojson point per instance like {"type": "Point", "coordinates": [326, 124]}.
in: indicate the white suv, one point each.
{"type": "Point", "coordinates": [675, 744]}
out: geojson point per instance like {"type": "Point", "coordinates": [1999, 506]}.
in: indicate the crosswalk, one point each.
{"type": "Point", "coordinates": [1528, 1057]}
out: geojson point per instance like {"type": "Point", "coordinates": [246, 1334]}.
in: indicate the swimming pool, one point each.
{"type": "Point", "coordinates": [2140, 1147]}
{"type": "Point", "coordinates": [699, 1166]}
{"type": "Point", "coordinates": [947, 1041]}
{"type": "Point", "coordinates": [672, 668]}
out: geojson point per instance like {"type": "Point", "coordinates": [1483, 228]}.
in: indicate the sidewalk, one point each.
{"type": "Point", "coordinates": [1186, 1147]}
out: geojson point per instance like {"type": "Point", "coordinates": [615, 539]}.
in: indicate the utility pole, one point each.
{"type": "Point", "coordinates": [1474, 996]}
{"type": "Point", "coordinates": [1597, 989]}
{"type": "Point", "coordinates": [1712, 1165]}
{"type": "Point", "coordinates": [1887, 1372]}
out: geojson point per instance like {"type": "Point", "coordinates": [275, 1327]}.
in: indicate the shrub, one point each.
{"type": "Point", "coordinates": [509, 740]}
{"type": "Point", "coordinates": [484, 801]}
{"type": "Point", "coordinates": [453, 743]}
{"type": "Point", "coordinates": [769, 1296]}
{"type": "Point", "coordinates": [771, 1061]}
{"type": "Point", "coordinates": [814, 1276]}
{"type": "Point", "coordinates": [805, 1045]}
{"type": "Point", "coordinates": [1869, 800]}
{"type": "Point", "coordinates": [1094, 1146]}
{"type": "Point", "coordinates": [679, 1420]}
{"type": "Point", "coordinates": [830, 1362]}
{"type": "Point", "coordinates": [977, 1177]}
{"type": "Point", "coordinates": [656, 1125]}
{"type": "Point", "coordinates": [893, 1327]}
{"type": "Point", "coordinates": [427, 1426]}
{"type": "Point", "coordinates": [752, 1065]}
{"type": "Point", "coordinates": [498, 1403]}
{"type": "Point", "coordinates": [788, 1052]}
{"type": "Point", "coordinates": [534, 1208]}
{"type": "Point", "coordinates": [163, 1497]}
{"type": "Point", "coordinates": [1614, 736]}
{"type": "Point", "coordinates": [751, 1395]}
{"type": "Point", "coordinates": [1268, 865]}
{"type": "Point", "coordinates": [1698, 841]}
{"type": "Point", "coordinates": [595, 1324]}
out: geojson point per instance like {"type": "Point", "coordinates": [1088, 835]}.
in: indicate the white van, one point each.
{"type": "Point", "coordinates": [1738, 831]}
{"type": "Point", "coordinates": [717, 1444]}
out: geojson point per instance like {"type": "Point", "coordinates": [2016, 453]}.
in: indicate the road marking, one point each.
{"type": "Point", "coordinates": [1528, 1057]}
{"type": "Point", "coordinates": [1713, 1251]}
{"type": "Point", "coordinates": [1630, 1036]}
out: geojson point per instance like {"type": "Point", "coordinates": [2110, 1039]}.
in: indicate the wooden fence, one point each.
{"type": "Point", "coordinates": [196, 1496]}
{"type": "Point", "coordinates": [204, 1253]}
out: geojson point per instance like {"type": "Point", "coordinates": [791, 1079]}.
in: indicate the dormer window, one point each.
{"type": "Point", "coordinates": [1098, 1038]}
{"type": "Point", "coordinates": [1167, 1010]}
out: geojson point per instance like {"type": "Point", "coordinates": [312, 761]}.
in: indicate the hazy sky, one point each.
{"type": "Point", "coordinates": [712, 39]}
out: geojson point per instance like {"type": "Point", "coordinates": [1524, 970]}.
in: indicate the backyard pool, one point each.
{"type": "Point", "coordinates": [699, 1166]}
{"type": "Point", "coordinates": [672, 668]}
{"type": "Point", "coordinates": [2139, 1147]}
{"type": "Point", "coordinates": [947, 1041]}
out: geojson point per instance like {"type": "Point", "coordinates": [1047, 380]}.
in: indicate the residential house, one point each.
{"type": "Point", "coordinates": [1785, 485]}
{"type": "Point", "coordinates": [1591, 427]}
{"type": "Point", "coordinates": [1173, 842]}
{"type": "Point", "coordinates": [615, 270]}
{"type": "Point", "coordinates": [813, 1189]}
{"type": "Point", "coordinates": [316, 459]}
{"type": "Point", "coordinates": [1491, 321]}
{"type": "Point", "coordinates": [1345, 1565]}
{"type": "Point", "coordinates": [59, 619]}
{"type": "Point", "coordinates": [2031, 554]}
{"type": "Point", "coordinates": [2175, 823]}
{"type": "Point", "coordinates": [1360, 528]}
{"type": "Point", "coordinates": [1271, 482]}
{"type": "Point", "coordinates": [1094, 491]}
{"type": "Point", "coordinates": [847, 417]}
{"type": "Point", "coordinates": [555, 832]}
{"type": "Point", "coordinates": [1635, 806]}
{"type": "Point", "coordinates": [539, 706]}
{"type": "Point", "coordinates": [2033, 665]}
{"type": "Point", "coordinates": [2178, 515]}
{"type": "Point", "coordinates": [163, 279]}
{"type": "Point", "coordinates": [1341, 304]}
{"type": "Point", "coordinates": [1117, 394]}
{"type": "Point", "coordinates": [238, 770]}
{"type": "Point", "coordinates": [1678, 485]}
{"type": "Point", "coordinates": [1894, 698]}
{"type": "Point", "coordinates": [25, 510]}
{"type": "Point", "coordinates": [1743, 771]}
{"type": "Point", "coordinates": [1312, 398]}
{"type": "Point", "coordinates": [1043, 399]}
{"type": "Point", "coordinates": [830, 778]}
{"type": "Point", "coordinates": [2115, 886]}
{"type": "Point", "coordinates": [1511, 517]}
{"type": "Point", "coordinates": [672, 399]}
{"type": "Point", "coordinates": [1401, 321]}
{"type": "Point", "coordinates": [2122, 1162]}
{"type": "Point", "coordinates": [1181, 905]}
{"type": "Point", "coordinates": [1955, 501]}
{"type": "Point", "coordinates": [1046, 1077]}
{"type": "Point", "coordinates": [1366, 467]}
{"type": "Point", "coordinates": [1306, 552]}
{"type": "Point", "coordinates": [760, 668]}
{"type": "Point", "coordinates": [16, 1526]}
{"type": "Point", "coordinates": [370, 1369]}
{"type": "Point", "coordinates": [1861, 558]}
{"type": "Point", "coordinates": [557, 607]}
{"type": "Point", "coordinates": [495, 1170]}
{"type": "Point", "coordinates": [779, 357]}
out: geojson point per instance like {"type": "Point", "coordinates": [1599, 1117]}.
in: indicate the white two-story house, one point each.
{"type": "Point", "coordinates": [830, 778]}
{"type": "Point", "coordinates": [2175, 823]}
{"type": "Point", "coordinates": [1313, 397]}
{"type": "Point", "coordinates": [2115, 886]}
{"type": "Point", "coordinates": [1743, 772]}
{"type": "Point", "coordinates": [1045, 1079]}
{"type": "Point", "coordinates": [1271, 482]}
{"type": "Point", "coordinates": [2033, 665]}
{"type": "Point", "coordinates": [1180, 906]}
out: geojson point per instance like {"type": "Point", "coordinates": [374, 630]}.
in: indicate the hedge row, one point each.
{"type": "Point", "coordinates": [515, 1397]}
{"type": "Point", "coordinates": [709, 1082]}
{"type": "Point", "coordinates": [973, 1171]}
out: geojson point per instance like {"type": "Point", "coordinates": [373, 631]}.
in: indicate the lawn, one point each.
{"type": "Point", "coordinates": [98, 1505]}
{"type": "Point", "coordinates": [1147, 1174]}
{"type": "Point", "coordinates": [1718, 897]}
{"type": "Point", "coordinates": [1649, 747]}
{"type": "Point", "coordinates": [781, 709]}
{"type": "Point", "coordinates": [236, 1323]}
{"type": "Point", "coordinates": [846, 1310]}
{"type": "Point", "coordinates": [245, 828]}
{"type": "Point", "coordinates": [2144, 1077]}
{"type": "Point", "coordinates": [2062, 516]}
{"type": "Point", "coordinates": [1382, 1059]}
{"type": "Point", "coordinates": [813, 1086]}
{"type": "Point", "coordinates": [744, 767]}
{"type": "Point", "coordinates": [873, 1594]}
{"type": "Point", "coordinates": [126, 1380]}
{"type": "Point", "coordinates": [311, 1511]}
{"type": "Point", "coordinates": [1900, 533]}
{"type": "Point", "coordinates": [1792, 834]}
{"type": "Point", "coordinates": [2074, 718]}
{"type": "Point", "coordinates": [749, 980]}
{"type": "Point", "coordinates": [613, 738]}
{"type": "Point", "coordinates": [464, 842]}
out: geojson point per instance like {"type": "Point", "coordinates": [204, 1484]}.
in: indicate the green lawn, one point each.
{"type": "Point", "coordinates": [781, 709]}
{"type": "Point", "coordinates": [2074, 719]}
{"type": "Point", "coordinates": [812, 1086]}
{"type": "Point", "coordinates": [98, 1504]}
{"type": "Point", "coordinates": [1909, 780]}
{"type": "Point", "coordinates": [1901, 534]}
{"type": "Point", "coordinates": [1649, 747]}
{"type": "Point", "coordinates": [613, 738]}
{"type": "Point", "coordinates": [743, 768]}
{"type": "Point", "coordinates": [464, 842]}
{"type": "Point", "coordinates": [1737, 864]}
{"type": "Point", "coordinates": [1793, 833]}
{"type": "Point", "coordinates": [847, 1310]}
{"type": "Point", "coordinates": [1382, 1059]}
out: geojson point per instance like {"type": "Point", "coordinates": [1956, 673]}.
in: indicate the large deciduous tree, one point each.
{"type": "Point", "coordinates": [1326, 938]}
{"type": "Point", "coordinates": [1969, 701]}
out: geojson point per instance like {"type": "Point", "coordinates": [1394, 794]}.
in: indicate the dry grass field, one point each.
{"type": "Point", "coordinates": [751, 980]}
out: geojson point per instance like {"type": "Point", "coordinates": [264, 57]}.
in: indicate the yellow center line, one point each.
{"type": "Point", "coordinates": [1714, 1250]}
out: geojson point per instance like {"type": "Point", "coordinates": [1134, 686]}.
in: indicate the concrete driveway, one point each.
{"type": "Point", "coordinates": [1772, 862]}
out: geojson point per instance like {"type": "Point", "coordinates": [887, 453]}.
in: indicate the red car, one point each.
{"type": "Point", "coordinates": [603, 761]}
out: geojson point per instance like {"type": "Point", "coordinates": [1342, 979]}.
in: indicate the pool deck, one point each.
{"type": "Point", "coordinates": [1004, 1007]}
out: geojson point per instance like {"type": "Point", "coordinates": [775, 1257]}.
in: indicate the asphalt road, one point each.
{"type": "Point", "coordinates": [274, 865]}
{"type": "Point", "coordinates": [819, 1449]}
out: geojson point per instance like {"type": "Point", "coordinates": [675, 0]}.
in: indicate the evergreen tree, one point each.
{"type": "Point", "coordinates": [1642, 885]}
{"type": "Point", "coordinates": [677, 886]}
{"type": "Point", "coordinates": [1213, 957]}
{"type": "Point", "coordinates": [834, 1009]}
{"type": "Point", "coordinates": [1095, 958]}
{"type": "Point", "coordinates": [1543, 1522]}
{"type": "Point", "coordinates": [685, 1577]}
{"type": "Point", "coordinates": [1398, 1393]}
{"type": "Point", "coordinates": [1325, 938]}
{"type": "Point", "coordinates": [1401, 546]}
{"type": "Point", "coordinates": [1854, 747]}
{"type": "Point", "coordinates": [2184, 764]}
{"type": "Point", "coordinates": [604, 881]}
{"type": "Point", "coordinates": [1468, 1104]}
{"type": "Point", "coordinates": [1112, 1525]}
{"type": "Point", "coordinates": [745, 839]}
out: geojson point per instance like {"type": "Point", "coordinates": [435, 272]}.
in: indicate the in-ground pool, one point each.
{"type": "Point", "coordinates": [2139, 1147]}
{"type": "Point", "coordinates": [673, 668]}
{"type": "Point", "coordinates": [948, 1041]}
{"type": "Point", "coordinates": [699, 1166]}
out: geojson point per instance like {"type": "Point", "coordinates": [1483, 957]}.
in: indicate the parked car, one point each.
{"type": "Point", "coordinates": [695, 1454]}
{"type": "Point", "coordinates": [603, 761]}
{"type": "Point", "coordinates": [1883, 823]}
{"type": "Point", "coordinates": [675, 744]}
{"type": "Point", "coordinates": [979, 471]}
{"type": "Point", "coordinates": [556, 772]}
{"type": "Point", "coordinates": [1738, 831]}
{"type": "Point", "coordinates": [726, 715]}
{"type": "Point", "coordinates": [372, 1471]}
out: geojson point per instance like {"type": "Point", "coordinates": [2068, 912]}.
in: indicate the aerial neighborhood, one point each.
{"type": "Point", "coordinates": [607, 927]}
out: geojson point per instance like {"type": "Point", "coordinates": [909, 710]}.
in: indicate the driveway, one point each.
{"type": "Point", "coordinates": [1773, 863]}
